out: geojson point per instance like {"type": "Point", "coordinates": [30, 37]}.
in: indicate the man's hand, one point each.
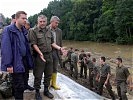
{"type": "Point", "coordinates": [10, 69]}
{"type": "Point", "coordinates": [42, 57]}
{"type": "Point", "coordinates": [63, 50]}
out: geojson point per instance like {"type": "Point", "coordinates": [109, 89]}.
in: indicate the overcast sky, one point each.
{"type": "Point", "coordinates": [31, 7]}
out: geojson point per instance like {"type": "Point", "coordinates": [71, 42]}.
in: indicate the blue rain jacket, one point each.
{"type": "Point", "coordinates": [10, 50]}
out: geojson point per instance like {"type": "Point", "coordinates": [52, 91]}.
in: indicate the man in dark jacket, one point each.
{"type": "Point", "coordinates": [57, 35]}
{"type": "Point", "coordinates": [15, 53]}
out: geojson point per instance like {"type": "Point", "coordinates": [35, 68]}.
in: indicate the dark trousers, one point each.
{"type": "Point", "coordinates": [95, 83]}
{"type": "Point", "coordinates": [26, 75]}
{"type": "Point", "coordinates": [55, 61]}
{"type": "Point", "coordinates": [18, 85]}
{"type": "Point", "coordinates": [75, 68]}
{"type": "Point", "coordinates": [60, 61]}
{"type": "Point", "coordinates": [83, 67]}
{"type": "Point", "coordinates": [91, 77]}
{"type": "Point", "coordinates": [122, 90]}
{"type": "Point", "coordinates": [108, 87]}
{"type": "Point", "coordinates": [43, 67]}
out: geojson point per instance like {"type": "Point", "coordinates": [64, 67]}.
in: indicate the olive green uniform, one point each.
{"type": "Point", "coordinates": [104, 71]}
{"type": "Point", "coordinates": [74, 60]}
{"type": "Point", "coordinates": [90, 66]}
{"type": "Point", "coordinates": [122, 74]}
{"type": "Point", "coordinates": [43, 39]}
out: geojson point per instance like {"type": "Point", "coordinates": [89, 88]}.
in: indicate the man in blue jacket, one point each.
{"type": "Point", "coordinates": [15, 53]}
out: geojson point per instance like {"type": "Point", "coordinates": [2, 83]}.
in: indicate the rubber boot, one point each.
{"type": "Point", "coordinates": [47, 93]}
{"type": "Point", "coordinates": [38, 95]}
{"type": "Point", "coordinates": [54, 85]}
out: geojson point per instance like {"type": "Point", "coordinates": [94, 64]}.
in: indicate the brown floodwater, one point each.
{"type": "Point", "coordinates": [109, 50]}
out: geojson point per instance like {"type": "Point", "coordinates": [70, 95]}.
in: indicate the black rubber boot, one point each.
{"type": "Point", "coordinates": [38, 95]}
{"type": "Point", "coordinates": [47, 93]}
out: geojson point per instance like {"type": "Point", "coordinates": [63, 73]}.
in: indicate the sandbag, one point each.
{"type": "Point", "coordinates": [5, 85]}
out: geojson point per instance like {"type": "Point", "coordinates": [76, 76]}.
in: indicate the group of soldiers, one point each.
{"type": "Point", "coordinates": [99, 73]}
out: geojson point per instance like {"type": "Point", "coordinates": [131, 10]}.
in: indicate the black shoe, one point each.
{"type": "Point", "coordinates": [38, 96]}
{"type": "Point", "coordinates": [47, 93]}
{"type": "Point", "coordinates": [29, 88]}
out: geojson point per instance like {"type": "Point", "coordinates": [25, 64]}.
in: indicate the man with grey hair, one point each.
{"type": "Point", "coordinates": [42, 42]}
{"type": "Point", "coordinates": [57, 34]}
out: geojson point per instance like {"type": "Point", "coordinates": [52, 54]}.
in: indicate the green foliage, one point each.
{"type": "Point", "coordinates": [8, 21]}
{"type": "Point", "coordinates": [93, 20]}
{"type": "Point", "coordinates": [105, 27]}
{"type": "Point", "coordinates": [124, 19]}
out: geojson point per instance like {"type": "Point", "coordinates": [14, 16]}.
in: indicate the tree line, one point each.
{"type": "Point", "coordinates": [92, 20]}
